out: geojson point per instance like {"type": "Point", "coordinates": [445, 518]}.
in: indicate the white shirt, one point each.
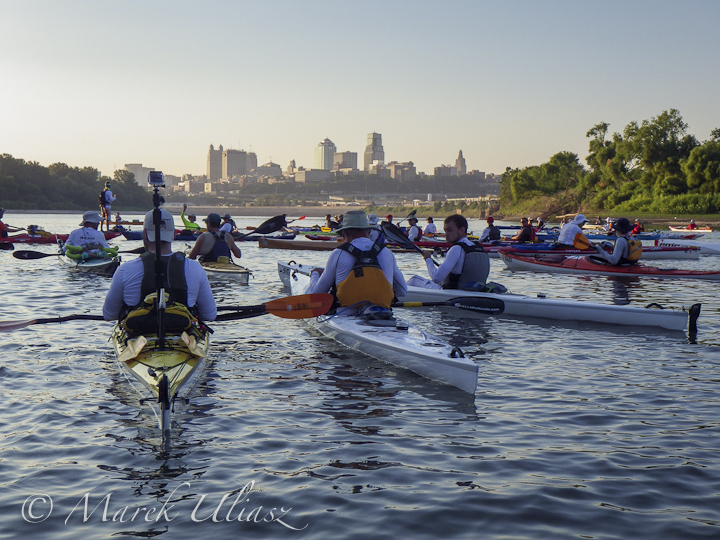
{"type": "Point", "coordinates": [125, 289]}
{"type": "Point", "coordinates": [568, 232]}
{"type": "Point", "coordinates": [453, 263]}
{"type": "Point", "coordinates": [85, 236]}
{"type": "Point", "coordinates": [340, 264]}
{"type": "Point", "coordinates": [226, 227]}
{"type": "Point", "coordinates": [414, 233]}
{"type": "Point", "coordinates": [430, 228]}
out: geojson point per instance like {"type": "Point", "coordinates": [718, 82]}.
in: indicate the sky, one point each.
{"type": "Point", "coordinates": [103, 83]}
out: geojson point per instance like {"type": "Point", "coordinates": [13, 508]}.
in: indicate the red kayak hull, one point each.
{"type": "Point", "coordinates": [46, 238]}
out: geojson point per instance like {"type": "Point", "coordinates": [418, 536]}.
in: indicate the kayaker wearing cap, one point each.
{"type": "Point", "coordinates": [134, 280]}
{"type": "Point", "coordinates": [491, 232]}
{"type": "Point", "coordinates": [388, 218]}
{"type": "Point", "coordinates": [638, 228]}
{"type": "Point", "coordinates": [691, 226]}
{"type": "Point", "coordinates": [569, 231]}
{"type": "Point", "coordinates": [88, 236]}
{"type": "Point", "coordinates": [414, 232]}
{"type": "Point", "coordinates": [526, 234]}
{"type": "Point", "coordinates": [106, 198]}
{"type": "Point", "coordinates": [465, 262]}
{"type": "Point", "coordinates": [430, 228]}
{"type": "Point", "coordinates": [609, 224]}
{"type": "Point", "coordinates": [213, 244]}
{"type": "Point", "coordinates": [189, 222]}
{"type": "Point", "coordinates": [540, 225]}
{"type": "Point", "coordinates": [376, 235]}
{"type": "Point", "coordinates": [228, 225]}
{"type": "Point", "coordinates": [379, 280]}
{"type": "Point", "coordinates": [627, 249]}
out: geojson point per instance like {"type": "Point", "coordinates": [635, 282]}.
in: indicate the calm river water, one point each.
{"type": "Point", "coordinates": [576, 430]}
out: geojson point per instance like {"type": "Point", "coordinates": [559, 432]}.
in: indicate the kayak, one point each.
{"type": "Point", "coordinates": [396, 342]}
{"type": "Point", "coordinates": [705, 248]}
{"type": "Point", "coordinates": [163, 375]}
{"type": "Point", "coordinates": [540, 306]}
{"type": "Point", "coordinates": [46, 238]}
{"type": "Point", "coordinates": [104, 267]}
{"type": "Point", "coordinates": [648, 252]}
{"type": "Point", "coordinates": [256, 237]}
{"type": "Point", "coordinates": [590, 266]}
{"type": "Point", "coordinates": [685, 229]}
{"type": "Point", "coordinates": [227, 269]}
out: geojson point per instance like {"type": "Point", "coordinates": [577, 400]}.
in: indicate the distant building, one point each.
{"type": "Point", "coordinates": [379, 169]}
{"type": "Point", "coordinates": [237, 162]}
{"type": "Point", "coordinates": [291, 168]}
{"type": "Point", "coordinates": [402, 171]}
{"type": "Point", "coordinates": [479, 174]}
{"type": "Point", "coordinates": [312, 175]}
{"type": "Point", "coordinates": [140, 172]}
{"type": "Point", "coordinates": [345, 160]}
{"type": "Point", "coordinates": [373, 151]}
{"type": "Point", "coordinates": [214, 164]}
{"type": "Point", "coordinates": [324, 155]}
{"type": "Point", "coordinates": [445, 170]}
{"type": "Point", "coordinates": [460, 165]}
{"type": "Point", "coordinates": [269, 169]}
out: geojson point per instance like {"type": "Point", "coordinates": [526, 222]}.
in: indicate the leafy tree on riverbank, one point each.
{"type": "Point", "coordinates": [27, 185]}
{"type": "Point", "coordinates": [653, 166]}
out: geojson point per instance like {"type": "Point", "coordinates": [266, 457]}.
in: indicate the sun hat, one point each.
{"type": "Point", "coordinates": [490, 219]}
{"type": "Point", "coordinates": [227, 216]}
{"type": "Point", "coordinates": [622, 225]}
{"type": "Point", "coordinates": [579, 219]}
{"type": "Point", "coordinates": [355, 219]}
{"type": "Point", "coordinates": [167, 227]}
{"type": "Point", "coordinates": [372, 219]}
{"type": "Point", "coordinates": [412, 219]}
{"type": "Point", "coordinates": [213, 219]}
{"type": "Point", "coordinates": [91, 217]}
{"type": "Point", "coordinates": [609, 220]}
{"type": "Point", "coordinates": [539, 219]}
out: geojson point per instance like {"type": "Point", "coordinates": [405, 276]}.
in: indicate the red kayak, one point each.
{"type": "Point", "coordinates": [45, 238]}
{"type": "Point", "coordinates": [586, 265]}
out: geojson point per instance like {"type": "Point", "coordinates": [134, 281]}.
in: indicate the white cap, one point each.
{"type": "Point", "coordinates": [167, 227]}
{"type": "Point", "coordinates": [91, 217]}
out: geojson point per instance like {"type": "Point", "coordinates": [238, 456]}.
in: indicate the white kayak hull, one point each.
{"type": "Point", "coordinates": [400, 344]}
{"type": "Point", "coordinates": [517, 305]}
{"type": "Point", "coordinates": [105, 267]}
{"type": "Point", "coordinates": [230, 270]}
{"type": "Point", "coordinates": [705, 248]}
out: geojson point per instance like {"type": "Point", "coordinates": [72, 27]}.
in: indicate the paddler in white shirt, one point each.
{"type": "Point", "coordinates": [88, 242]}
{"type": "Point", "coordinates": [378, 280]}
{"type": "Point", "coordinates": [465, 262]}
{"type": "Point", "coordinates": [414, 232]}
{"type": "Point", "coordinates": [568, 232]}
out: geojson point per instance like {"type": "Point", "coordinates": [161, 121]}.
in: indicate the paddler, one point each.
{"type": "Point", "coordinates": [491, 232]}
{"type": "Point", "coordinates": [569, 231]}
{"type": "Point", "coordinates": [526, 234]}
{"type": "Point", "coordinates": [627, 249]}
{"type": "Point", "coordinates": [359, 271]}
{"type": "Point", "coordinates": [189, 222]}
{"type": "Point", "coordinates": [465, 262]}
{"type": "Point", "coordinates": [213, 245]}
{"type": "Point", "coordinates": [5, 229]}
{"type": "Point", "coordinates": [136, 279]}
{"type": "Point", "coordinates": [88, 242]}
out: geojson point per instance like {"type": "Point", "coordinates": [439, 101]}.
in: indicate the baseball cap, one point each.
{"type": "Point", "coordinates": [167, 227]}
{"type": "Point", "coordinates": [213, 219]}
{"type": "Point", "coordinates": [490, 219]}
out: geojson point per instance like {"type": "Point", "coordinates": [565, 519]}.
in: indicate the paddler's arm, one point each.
{"type": "Point", "coordinates": [195, 251]}
{"type": "Point", "coordinates": [619, 251]}
{"type": "Point", "coordinates": [205, 301]}
{"type": "Point", "coordinates": [438, 274]}
{"type": "Point", "coordinates": [232, 245]}
{"type": "Point", "coordinates": [186, 222]}
{"type": "Point", "coordinates": [114, 299]}
{"type": "Point", "coordinates": [322, 281]}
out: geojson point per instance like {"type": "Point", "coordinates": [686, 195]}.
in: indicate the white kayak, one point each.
{"type": "Point", "coordinates": [705, 248]}
{"type": "Point", "coordinates": [517, 305]}
{"type": "Point", "coordinates": [228, 269]}
{"type": "Point", "coordinates": [394, 341]}
{"type": "Point", "coordinates": [105, 267]}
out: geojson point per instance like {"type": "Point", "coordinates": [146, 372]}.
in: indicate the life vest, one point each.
{"type": "Point", "coordinates": [220, 248]}
{"type": "Point", "coordinates": [494, 233]}
{"type": "Point", "coordinates": [91, 251]}
{"type": "Point", "coordinates": [476, 267]}
{"type": "Point", "coordinates": [366, 282]}
{"type": "Point", "coordinates": [142, 318]}
{"type": "Point", "coordinates": [102, 200]}
{"type": "Point", "coordinates": [634, 251]}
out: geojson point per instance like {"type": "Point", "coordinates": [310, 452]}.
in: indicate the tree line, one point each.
{"type": "Point", "coordinates": [654, 166]}
{"type": "Point", "coordinates": [27, 185]}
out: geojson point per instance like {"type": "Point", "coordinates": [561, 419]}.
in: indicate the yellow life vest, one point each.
{"type": "Point", "coordinates": [366, 282]}
{"type": "Point", "coordinates": [634, 250]}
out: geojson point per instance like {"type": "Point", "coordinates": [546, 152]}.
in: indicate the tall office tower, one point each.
{"type": "Point", "coordinates": [345, 160]}
{"type": "Point", "coordinates": [324, 155]}
{"type": "Point", "coordinates": [374, 151]}
{"type": "Point", "coordinates": [214, 164]}
{"type": "Point", "coordinates": [251, 161]}
{"type": "Point", "coordinates": [460, 165]}
{"type": "Point", "coordinates": [234, 163]}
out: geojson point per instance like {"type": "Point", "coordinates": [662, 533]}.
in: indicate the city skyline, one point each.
{"type": "Point", "coordinates": [102, 84]}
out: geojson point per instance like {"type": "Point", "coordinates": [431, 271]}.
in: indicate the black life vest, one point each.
{"type": "Point", "coordinates": [366, 282]}
{"type": "Point", "coordinates": [220, 248]}
{"type": "Point", "coordinates": [476, 267]}
{"type": "Point", "coordinates": [494, 233]}
{"type": "Point", "coordinates": [102, 200]}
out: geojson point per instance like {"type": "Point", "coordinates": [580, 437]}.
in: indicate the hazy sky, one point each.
{"type": "Point", "coordinates": [104, 83]}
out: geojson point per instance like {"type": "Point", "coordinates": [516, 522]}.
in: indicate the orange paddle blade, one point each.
{"type": "Point", "coordinates": [581, 242]}
{"type": "Point", "coordinates": [303, 306]}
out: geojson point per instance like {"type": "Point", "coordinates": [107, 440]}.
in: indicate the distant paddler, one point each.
{"type": "Point", "coordinates": [189, 222]}
{"type": "Point", "coordinates": [214, 245]}
{"type": "Point", "coordinates": [627, 249]}
{"type": "Point", "coordinates": [88, 242]}
{"type": "Point", "coordinates": [569, 231]}
{"type": "Point", "coordinates": [5, 229]}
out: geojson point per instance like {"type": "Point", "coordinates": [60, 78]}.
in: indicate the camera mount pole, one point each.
{"type": "Point", "coordinates": [157, 180]}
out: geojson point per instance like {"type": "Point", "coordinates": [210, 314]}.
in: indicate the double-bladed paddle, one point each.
{"type": "Point", "coordinates": [490, 306]}
{"type": "Point", "coordinates": [291, 307]}
{"type": "Point", "coordinates": [396, 236]}
{"type": "Point", "coordinates": [27, 254]}
{"type": "Point", "coordinates": [271, 225]}
{"type": "Point", "coordinates": [581, 242]}
{"type": "Point", "coordinates": [411, 214]}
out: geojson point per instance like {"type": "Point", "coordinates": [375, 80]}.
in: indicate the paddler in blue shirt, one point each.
{"type": "Point", "coordinates": [627, 249]}
{"type": "Point", "coordinates": [380, 279]}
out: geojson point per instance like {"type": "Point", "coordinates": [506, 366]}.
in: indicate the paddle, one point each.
{"type": "Point", "coordinates": [27, 254]}
{"type": "Point", "coordinates": [271, 225]}
{"type": "Point", "coordinates": [303, 306]}
{"type": "Point", "coordinates": [581, 242]}
{"type": "Point", "coordinates": [490, 306]}
{"type": "Point", "coordinates": [396, 236]}
{"type": "Point", "coordinates": [411, 214]}
{"type": "Point", "coordinates": [291, 307]}
{"type": "Point", "coordinates": [297, 219]}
